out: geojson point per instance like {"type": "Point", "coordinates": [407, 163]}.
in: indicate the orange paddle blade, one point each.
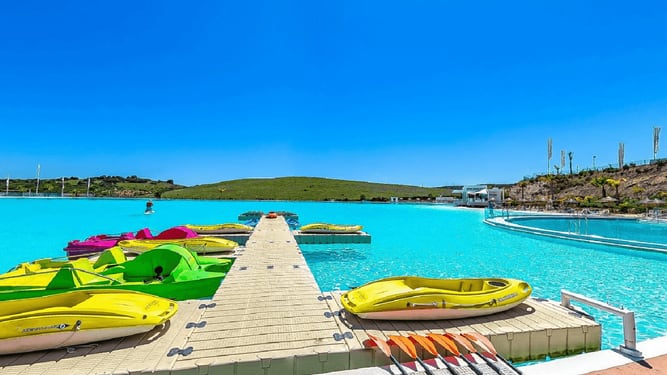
{"type": "Point", "coordinates": [482, 341]}
{"type": "Point", "coordinates": [381, 344]}
{"type": "Point", "coordinates": [445, 342]}
{"type": "Point", "coordinates": [405, 344]}
{"type": "Point", "coordinates": [425, 343]}
{"type": "Point", "coordinates": [462, 341]}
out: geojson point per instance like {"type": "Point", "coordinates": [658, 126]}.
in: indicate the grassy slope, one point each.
{"type": "Point", "coordinates": [302, 188]}
{"type": "Point", "coordinates": [99, 186]}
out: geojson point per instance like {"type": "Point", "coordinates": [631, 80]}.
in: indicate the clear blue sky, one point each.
{"type": "Point", "coordinates": [426, 93]}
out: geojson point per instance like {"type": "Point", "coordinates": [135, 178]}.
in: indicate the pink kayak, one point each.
{"type": "Point", "coordinates": [94, 244]}
{"type": "Point", "coordinates": [98, 243]}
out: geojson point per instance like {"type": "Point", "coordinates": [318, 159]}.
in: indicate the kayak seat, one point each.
{"type": "Point", "coordinates": [160, 262]}
{"type": "Point", "coordinates": [143, 234]}
{"type": "Point", "coordinates": [63, 279]}
{"type": "Point", "coordinates": [176, 233]}
{"type": "Point", "coordinates": [71, 278]}
{"type": "Point", "coordinates": [110, 257]}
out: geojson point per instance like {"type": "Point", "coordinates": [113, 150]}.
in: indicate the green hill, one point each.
{"type": "Point", "coordinates": [304, 188]}
{"type": "Point", "coordinates": [102, 186]}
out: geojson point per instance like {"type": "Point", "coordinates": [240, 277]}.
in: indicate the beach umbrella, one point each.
{"type": "Point", "coordinates": [608, 200]}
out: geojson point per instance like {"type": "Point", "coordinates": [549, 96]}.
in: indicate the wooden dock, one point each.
{"type": "Point", "coordinates": [269, 317]}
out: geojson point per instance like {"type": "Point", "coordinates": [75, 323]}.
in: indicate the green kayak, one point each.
{"type": "Point", "coordinates": [168, 271]}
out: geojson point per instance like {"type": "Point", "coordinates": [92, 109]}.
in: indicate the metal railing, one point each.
{"type": "Point", "coordinates": [629, 328]}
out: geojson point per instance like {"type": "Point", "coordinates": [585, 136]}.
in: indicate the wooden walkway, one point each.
{"type": "Point", "coordinates": [269, 317]}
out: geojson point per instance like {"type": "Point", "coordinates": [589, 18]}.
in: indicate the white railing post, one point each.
{"type": "Point", "coordinates": [629, 327]}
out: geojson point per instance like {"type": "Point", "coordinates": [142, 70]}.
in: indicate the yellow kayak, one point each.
{"type": "Point", "coordinates": [79, 317]}
{"type": "Point", "coordinates": [419, 298]}
{"type": "Point", "coordinates": [220, 228]}
{"type": "Point", "coordinates": [108, 258]}
{"type": "Point", "coordinates": [200, 245]}
{"type": "Point", "coordinates": [330, 228]}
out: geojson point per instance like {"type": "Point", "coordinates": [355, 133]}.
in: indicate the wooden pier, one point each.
{"type": "Point", "coordinates": [269, 317]}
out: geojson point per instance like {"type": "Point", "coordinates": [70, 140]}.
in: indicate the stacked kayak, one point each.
{"type": "Point", "coordinates": [330, 228]}
{"type": "Point", "coordinates": [78, 317]}
{"type": "Point", "coordinates": [95, 244]}
{"type": "Point", "coordinates": [420, 298]}
{"type": "Point", "coordinates": [226, 228]}
{"type": "Point", "coordinates": [200, 245]}
{"type": "Point", "coordinates": [168, 271]}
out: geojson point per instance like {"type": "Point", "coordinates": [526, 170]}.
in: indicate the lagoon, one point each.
{"type": "Point", "coordinates": [418, 239]}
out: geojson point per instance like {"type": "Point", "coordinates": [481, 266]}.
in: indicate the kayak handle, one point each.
{"type": "Point", "coordinates": [463, 305]}
{"type": "Point", "coordinates": [443, 304]}
{"type": "Point", "coordinates": [432, 304]}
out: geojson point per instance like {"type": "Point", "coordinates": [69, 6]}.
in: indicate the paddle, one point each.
{"type": "Point", "coordinates": [384, 347]}
{"type": "Point", "coordinates": [430, 347]}
{"type": "Point", "coordinates": [461, 339]}
{"type": "Point", "coordinates": [409, 348]}
{"type": "Point", "coordinates": [447, 343]}
{"type": "Point", "coordinates": [486, 345]}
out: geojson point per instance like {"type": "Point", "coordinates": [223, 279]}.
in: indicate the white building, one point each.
{"type": "Point", "coordinates": [480, 196]}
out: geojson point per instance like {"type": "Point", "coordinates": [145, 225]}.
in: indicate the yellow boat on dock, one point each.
{"type": "Point", "coordinates": [226, 228]}
{"type": "Point", "coordinates": [330, 228]}
{"type": "Point", "coordinates": [420, 298]}
{"type": "Point", "coordinates": [200, 245]}
{"type": "Point", "coordinates": [79, 317]}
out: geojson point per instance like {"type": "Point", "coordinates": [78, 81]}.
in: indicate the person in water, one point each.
{"type": "Point", "coordinates": [149, 206]}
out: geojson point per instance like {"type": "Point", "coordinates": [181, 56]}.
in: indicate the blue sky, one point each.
{"type": "Point", "coordinates": [427, 93]}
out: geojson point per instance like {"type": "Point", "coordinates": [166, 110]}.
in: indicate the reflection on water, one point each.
{"type": "Point", "coordinates": [331, 253]}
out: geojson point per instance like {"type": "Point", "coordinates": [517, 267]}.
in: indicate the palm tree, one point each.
{"type": "Point", "coordinates": [600, 181]}
{"type": "Point", "coordinates": [549, 181]}
{"type": "Point", "coordinates": [570, 155]}
{"type": "Point", "coordinates": [615, 184]}
{"type": "Point", "coordinates": [522, 185]}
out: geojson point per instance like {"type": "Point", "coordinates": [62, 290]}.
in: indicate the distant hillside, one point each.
{"type": "Point", "coordinates": [304, 188]}
{"type": "Point", "coordinates": [102, 186]}
{"type": "Point", "coordinates": [629, 185]}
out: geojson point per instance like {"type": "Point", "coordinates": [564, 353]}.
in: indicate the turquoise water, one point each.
{"type": "Point", "coordinates": [628, 229]}
{"type": "Point", "coordinates": [426, 240]}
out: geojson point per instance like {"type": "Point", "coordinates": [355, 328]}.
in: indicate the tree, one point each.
{"type": "Point", "coordinates": [522, 185]}
{"type": "Point", "coordinates": [615, 184]}
{"type": "Point", "coordinates": [600, 181]}
{"type": "Point", "coordinates": [637, 191]}
{"type": "Point", "coordinates": [570, 155]}
{"type": "Point", "coordinates": [549, 181]}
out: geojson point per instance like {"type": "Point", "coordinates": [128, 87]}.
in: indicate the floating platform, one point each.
{"type": "Point", "coordinates": [269, 317]}
{"type": "Point", "coordinates": [324, 238]}
{"type": "Point", "coordinates": [535, 329]}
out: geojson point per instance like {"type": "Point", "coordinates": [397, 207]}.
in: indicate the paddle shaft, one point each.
{"type": "Point", "coordinates": [384, 348]}
{"type": "Point", "coordinates": [428, 371]}
{"type": "Point", "coordinates": [493, 351]}
{"type": "Point", "coordinates": [449, 365]}
{"type": "Point", "coordinates": [398, 364]}
{"type": "Point", "coordinates": [406, 345]}
{"type": "Point", "coordinates": [472, 365]}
